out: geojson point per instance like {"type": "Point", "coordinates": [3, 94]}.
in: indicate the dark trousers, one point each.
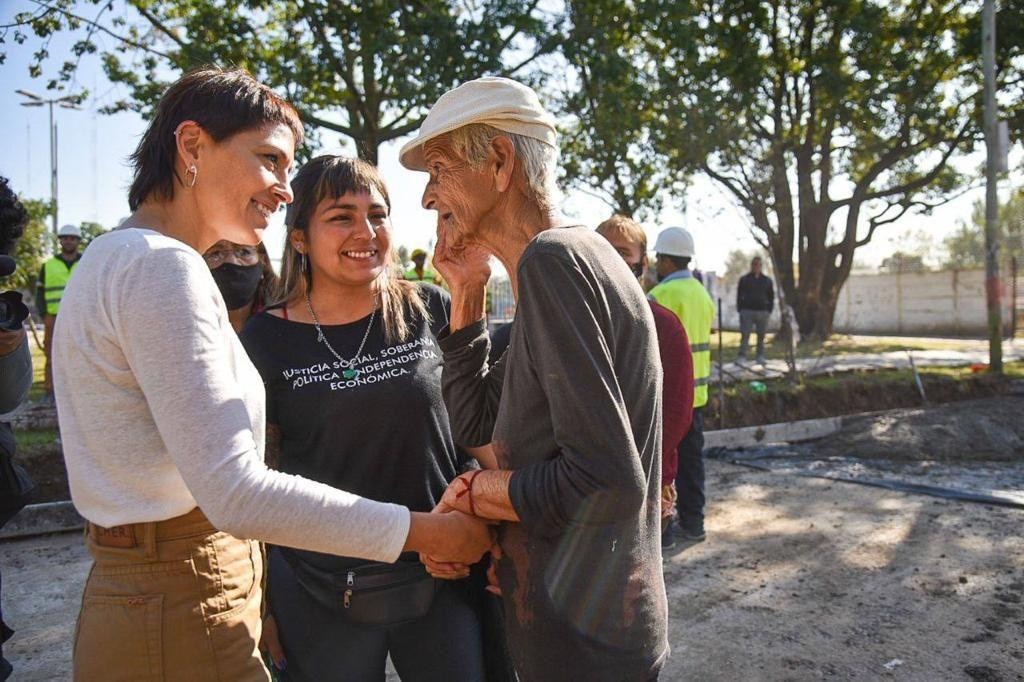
{"type": "Point", "coordinates": [320, 645]}
{"type": "Point", "coordinates": [690, 476]}
{"type": "Point", "coordinates": [5, 633]}
{"type": "Point", "coordinates": [751, 320]}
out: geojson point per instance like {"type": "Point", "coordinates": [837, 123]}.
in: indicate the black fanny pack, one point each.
{"type": "Point", "coordinates": [369, 594]}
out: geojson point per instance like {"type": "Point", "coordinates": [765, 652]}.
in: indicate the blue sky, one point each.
{"type": "Point", "coordinates": [93, 173]}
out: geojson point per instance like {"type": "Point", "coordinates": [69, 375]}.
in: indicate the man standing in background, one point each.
{"type": "Point", "coordinates": [420, 271]}
{"type": "Point", "coordinates": [755, 299]}
{"type": "Point", "coordinates": [53, 277]}
{"type": "Point", "coordinates": [679, 291]}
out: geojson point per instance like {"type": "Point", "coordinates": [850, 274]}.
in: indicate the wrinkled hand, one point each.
{"type": "Point", "coordinates": [462, 264]}
{"type": "Point", "coordinates": [456, 496]}
{"type": "Point", "coordinates": [270, 643]}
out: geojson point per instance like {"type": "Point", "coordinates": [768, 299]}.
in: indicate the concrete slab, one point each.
{"type": "Point", "coordinates": [38, 519]}
{"type": "Point", "coordinates": [787, 432]}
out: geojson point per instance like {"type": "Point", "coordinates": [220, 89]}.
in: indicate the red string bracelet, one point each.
{"type": "Point", "coordinates": [469, 489]}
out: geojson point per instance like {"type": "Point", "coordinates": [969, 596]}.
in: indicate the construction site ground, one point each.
{"type": "Point", "coordinates": [800, 578]}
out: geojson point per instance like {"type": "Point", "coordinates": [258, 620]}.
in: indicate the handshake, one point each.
{"type": "Point", "coordinates": [473, 503]}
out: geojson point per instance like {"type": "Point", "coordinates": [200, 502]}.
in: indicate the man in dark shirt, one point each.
{"type": "Point", "coordinates": [572, 409]}
{"type": "Point", "coordinates": [755, 299]}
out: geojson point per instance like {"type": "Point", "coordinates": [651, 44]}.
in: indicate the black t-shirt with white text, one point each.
{"type": "Point", "coordinates": [383, 434]}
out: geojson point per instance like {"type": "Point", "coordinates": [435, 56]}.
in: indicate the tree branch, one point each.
{"type": "Point", "coordinates": [323, 123]}
{"type": "Point", "coordinates": [104, 29]}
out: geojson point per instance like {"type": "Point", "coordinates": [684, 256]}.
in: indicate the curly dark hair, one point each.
{"type": "Point", "coordinates": [13, 218]}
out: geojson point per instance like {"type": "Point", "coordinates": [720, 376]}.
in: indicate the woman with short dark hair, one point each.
{"type": "Point", "coordinates": [162, 413]}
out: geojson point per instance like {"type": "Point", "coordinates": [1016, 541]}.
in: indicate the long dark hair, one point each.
{"type": "Point", "coordinates": [331, 177]}
{"type": "Point", "coordinates": [223, 102]}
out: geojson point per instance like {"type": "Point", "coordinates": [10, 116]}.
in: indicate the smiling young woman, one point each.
{"type": "Point", "coordinates": [353, 379]}
{"type": "Point", "coordinates": [162, 412]}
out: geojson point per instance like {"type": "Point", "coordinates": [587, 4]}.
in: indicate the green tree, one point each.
{"type": "Point", "coordinates": [737, 264]}
{"type": "Point", "coordinates": [824, 119]}
{"type": "Point", "coordinates": [367, 70]}
{"type": "Point", "coordinates": [34, 247]}
{"type": "Point", "coordinates": [966, 246]}
{"type": "Point", "coordinates": [606, 105]}
{"type": "Point", "coordinates": [90, 231]}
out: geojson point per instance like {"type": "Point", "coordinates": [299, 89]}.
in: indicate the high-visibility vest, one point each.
{"type": "Point", "coordinates": [56, 274]}
{"type": "Point", "coordinates": [690, 301]}
{"type": "Point", "coordinates": [428, 275]}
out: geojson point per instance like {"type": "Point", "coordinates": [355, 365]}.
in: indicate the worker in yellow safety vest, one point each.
{"type": "Point", "coordinates": [420, 271]}
{"type": "Point", "coordinates": [53, 277]}
{"type": "Point", "coordinates": [679, 291]}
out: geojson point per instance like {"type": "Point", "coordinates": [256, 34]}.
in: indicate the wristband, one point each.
{"type": "Point", "coordinates": [469, 490]}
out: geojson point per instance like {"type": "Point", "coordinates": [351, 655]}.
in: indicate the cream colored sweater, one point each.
{"type": "Point", "coordinates": [161, 410]}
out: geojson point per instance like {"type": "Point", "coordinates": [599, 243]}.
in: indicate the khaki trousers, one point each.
{"type": "Point", "coordinates": [171, 600]}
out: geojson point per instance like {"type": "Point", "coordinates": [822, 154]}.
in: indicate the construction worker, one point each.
{"type": "Point", "coordinates": [53, 277]}
{"type": "Point", "coordinates": [679, 291]}
{"type": "Point", "coordinates": [420, 271]}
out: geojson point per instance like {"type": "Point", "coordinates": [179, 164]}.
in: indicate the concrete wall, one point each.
{"type": "Point", "coordinates": [946, 303]}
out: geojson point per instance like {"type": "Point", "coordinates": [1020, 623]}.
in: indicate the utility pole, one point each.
{"type": "Point", "coordinates": [66, 102]}
{"type": "Point", "coordinates": [992, 284]}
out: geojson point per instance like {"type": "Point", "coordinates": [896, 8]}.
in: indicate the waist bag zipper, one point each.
{"type": "Point", "coordinates": [350, 581]}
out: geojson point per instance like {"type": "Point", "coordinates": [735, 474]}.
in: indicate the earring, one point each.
{"type": "Point", "coordinates": [195, 175]}
{"type": "Point", "coordinates": [305, 265]}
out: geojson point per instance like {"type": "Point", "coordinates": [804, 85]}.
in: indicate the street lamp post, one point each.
{"type": "Point", "coordinates": [66, 102]}
{"type": "Point", "coordinates": [992, 284]}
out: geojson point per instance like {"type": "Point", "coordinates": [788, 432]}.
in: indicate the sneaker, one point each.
{"type": "Point", "coordinates": [668, 537]}
{"type": "Point", "coordinates": [691, 530]}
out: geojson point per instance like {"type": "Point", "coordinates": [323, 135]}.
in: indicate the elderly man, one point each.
{"type": "Point", "coordinates": [572, 410]}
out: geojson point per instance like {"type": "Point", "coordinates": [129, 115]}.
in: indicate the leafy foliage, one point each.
{"type": "Point", "coordinates": [606, 102]}
{"type": "Point", "coordinates": [34, 247]}
{"type": "Point", "coordinates": [966, 246]}
{"type": "Point", "coordinates": [824, 119]}
{"type": "Point", "coordinates": [367, 70]}
{"type": "Point", "coordinates": [737, 264]}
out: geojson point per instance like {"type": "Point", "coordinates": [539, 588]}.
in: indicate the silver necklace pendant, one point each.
{"type": "Point", "coordinates": [350, 372]}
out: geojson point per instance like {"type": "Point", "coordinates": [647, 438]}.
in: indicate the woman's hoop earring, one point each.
{"type": "Point", "coordinates": [195, 175]}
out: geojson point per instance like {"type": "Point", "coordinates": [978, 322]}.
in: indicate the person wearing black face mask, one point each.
{"type": "Point", "coordinates": [630, 241]}
{"type": "Point", "coordinates": [244, 276]}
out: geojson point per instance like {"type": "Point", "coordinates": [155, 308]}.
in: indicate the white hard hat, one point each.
{"type": "Point", "coordinates": [69, 231]}
{"type": "Point", "coordinates": [675, 241]}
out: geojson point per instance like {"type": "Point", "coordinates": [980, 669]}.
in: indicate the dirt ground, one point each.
{"type": "Point", "coordinates": [800, 579]}
{"type": "Point", "coordinates": [972, 430]}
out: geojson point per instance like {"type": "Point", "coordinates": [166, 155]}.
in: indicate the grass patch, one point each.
{"type": "Point", "coordinates": [37, 391]}
{"type": "Point", "coordinates": [838, 344]}
{"type": "Point", "coordinates": [34, 442]}
{"type": "Point", "coordinates": [852, 392]}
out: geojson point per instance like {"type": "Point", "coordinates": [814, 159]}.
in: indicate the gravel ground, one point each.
{"type": "Point", "coordinates": [800, 579]}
